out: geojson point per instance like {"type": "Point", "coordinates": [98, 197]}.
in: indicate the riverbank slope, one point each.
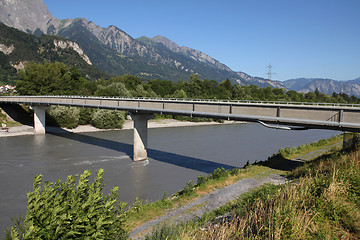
{"type": "Point", "coordinates": [283, 211]}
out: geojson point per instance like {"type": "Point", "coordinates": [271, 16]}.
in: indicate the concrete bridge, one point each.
{"type": "Point", "coordinates": [285, 115]}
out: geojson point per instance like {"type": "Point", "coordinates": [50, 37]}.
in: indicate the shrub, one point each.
{"type": "Point", "coordinates": [201, 180]}
{"type": "Point", "coordinates": [65, 116]}
{"type": "Point", "coordinates": [85, 116]}
{"type": "Point", "coordinates": [64, 210]}
{"type": "Point", "coordinates": [218, 173]}
{"type": "Point", "coordinates": [108, 119]}
{"type": "Point", "coordinates": [188, 189]}
{"type": "Point", "coordinates": [117, 89]}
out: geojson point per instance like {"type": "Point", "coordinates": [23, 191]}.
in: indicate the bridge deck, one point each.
{"type": "Point", "coordinates": [341, 117]}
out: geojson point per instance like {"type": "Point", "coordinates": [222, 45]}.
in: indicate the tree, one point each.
{"type": "Point", "coordinates": [50, 79]}
{"type": "Point", "coordinates": [116, 89]}
{"type": "Point", "coordinates": [108, 119]}
{"type": "Point", "coordinates": [65, 116]}
{"type": "Point", "coordinates": [238, 92]}
{"type": "Point", "coordinates": [66, 210]}
{"type": "Point", "coordinates": [131, 82]}
{"type": "Point", "coordinates": [294, 96]}
{"type": "Point", "coordinates": [179, 94]}
{"type": "Point", "coordinates": [162, 87]}
{"type": "Point", "coordinates": [226, 84]}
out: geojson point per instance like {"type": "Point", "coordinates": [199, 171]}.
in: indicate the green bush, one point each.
{"type": "Point", "coordinates": [117, 89]}
{"type": "Point", "coordinates": [108, 119]}
{"type": "Point", "coordinates": [188, 189]}
{"type": "Point", "coordinates": [86, 116]}
{"type": "Point", "coordinates": [218, 173]}
{"type": "Point", "coordinates": [201, 180]}
{"type": "Point", "coordinates": [65, 116]}
{"type": "Point", "coordinates": [66, 210]}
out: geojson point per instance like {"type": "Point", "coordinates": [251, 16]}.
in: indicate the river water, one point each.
{"type": "Point", "coordinates": [176, 155]}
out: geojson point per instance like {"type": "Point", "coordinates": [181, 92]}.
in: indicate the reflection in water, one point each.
{"type": "Point", "coordinates": [39, 140]}
{"type": "Point", "coordinates": [176, 155]}
{"type": "Point", "coordinates": [138, 176]}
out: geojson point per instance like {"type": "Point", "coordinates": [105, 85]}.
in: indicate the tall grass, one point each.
{"type": "Point", "coordinates": [323, 203]}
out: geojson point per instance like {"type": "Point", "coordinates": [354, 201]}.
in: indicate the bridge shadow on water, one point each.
{"type": "Point", "coordinates": [189, 162]}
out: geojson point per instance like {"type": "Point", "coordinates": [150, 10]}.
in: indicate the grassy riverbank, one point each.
{"type": "Point", "coordinates": [141, 212]}
{"type": "Point", "coordinates": [322, 201]}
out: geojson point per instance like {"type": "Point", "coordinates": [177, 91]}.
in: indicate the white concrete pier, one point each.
{"type": "Point", "coordinates": [39, 119]}
{"type": "Point", "coordinates": [140, 135]}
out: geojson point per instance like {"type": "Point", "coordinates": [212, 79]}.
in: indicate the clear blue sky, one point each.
{"type": "Point", "coordinates": [300, 38]}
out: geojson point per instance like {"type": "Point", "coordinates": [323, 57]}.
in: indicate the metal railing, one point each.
{"type": "Point", "coordinates": [191, 100]}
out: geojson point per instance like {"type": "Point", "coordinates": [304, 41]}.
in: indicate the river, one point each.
{"type": "Point", "coordinates": [176, 155]}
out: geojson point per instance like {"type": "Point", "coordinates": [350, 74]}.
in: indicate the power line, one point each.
{"type": "Point", "coordinates": [270, 73]}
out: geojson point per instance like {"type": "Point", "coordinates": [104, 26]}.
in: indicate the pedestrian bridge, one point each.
{"type": "Point", "coordinates": [280, 115]}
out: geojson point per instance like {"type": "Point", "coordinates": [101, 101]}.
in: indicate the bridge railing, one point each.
{"type": "Point", "coordinates": [194, 100]}
{"type": "Point", "coordinates": [310, 115]}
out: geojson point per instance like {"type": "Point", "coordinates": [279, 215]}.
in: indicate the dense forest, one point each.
{"type": "Point", "coordinates": [59, 79]}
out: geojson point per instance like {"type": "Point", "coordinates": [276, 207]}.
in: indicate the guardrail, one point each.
{"type": "Point", "coordinates": [344, 117]}
{"type": "Point", "coordinates": [193, 100]}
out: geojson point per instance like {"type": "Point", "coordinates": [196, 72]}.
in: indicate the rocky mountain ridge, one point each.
{"type": "Point", "coordinates": [17, 48]}
{"type": "Point", "coordinates": [31, 16]}
{"type": "Point", "coordinates": [192, 53]}
{"type": "Point", "coordinates": [171, 63]}
{"type": "Point", "coordinates": [116, 52]}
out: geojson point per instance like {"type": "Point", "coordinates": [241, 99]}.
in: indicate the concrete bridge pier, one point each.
{"type": "Point", "coordinates": [39, 119]}
{"type": "Point", "coordinates": [140, 135]}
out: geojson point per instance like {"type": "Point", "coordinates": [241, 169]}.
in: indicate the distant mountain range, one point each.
{"type": "Point", "coordinates": [328, 86]}
{"type": "Point", "coordinates": [115, 52]}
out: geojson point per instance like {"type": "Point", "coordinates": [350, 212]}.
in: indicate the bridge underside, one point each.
{"type": "Point", "coordinates": [140, 139]}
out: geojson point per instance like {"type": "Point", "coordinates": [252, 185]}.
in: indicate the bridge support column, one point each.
{"type": "Point", "coordinates": [140, 135]}
{"type": "Point", "coordinates": [39, 119]}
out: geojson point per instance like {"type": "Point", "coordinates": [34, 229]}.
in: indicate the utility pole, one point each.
{"type": "Point", "coordinates": [269, 73]}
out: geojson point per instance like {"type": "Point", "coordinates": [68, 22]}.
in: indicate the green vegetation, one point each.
{"type": "Point", "coordinates": [71, 117]}
{"type": "Point", "coordinates": [66, 210]}
{"type": "Point", "coordinates": [68, 117]}
{"type": "Point", "coordinates": [57, 78]}
{"type": "Point", "coordinates": [50, 79]}
{"type": "Point", "coordinates": [108, 119]}
{"type": "Point", "coordinates": [218, 179]}
{"type": "Point", "coordinates": [321, 202]}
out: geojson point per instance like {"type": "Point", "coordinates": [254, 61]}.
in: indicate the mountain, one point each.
{"type": "Point", "coordinates": [191, 53]}
{"type": "Point", "coordinates": [328, 86]}
{"type": "Point", "coordinates": [357, 81]}
{"type": "Point", "coordinates": [114, 51]}
{"type": "Point", "coordinates": [257, 81]}
{"type": "Point", "coordinates": [31, 16]}
{"type": "Point", "coordinates": [17, 48]}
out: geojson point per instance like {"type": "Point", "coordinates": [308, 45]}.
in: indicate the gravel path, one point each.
{"type": "Point", "coordinates": [207, 203]}
{"type": "Point", "coordinates": [320, 152]}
